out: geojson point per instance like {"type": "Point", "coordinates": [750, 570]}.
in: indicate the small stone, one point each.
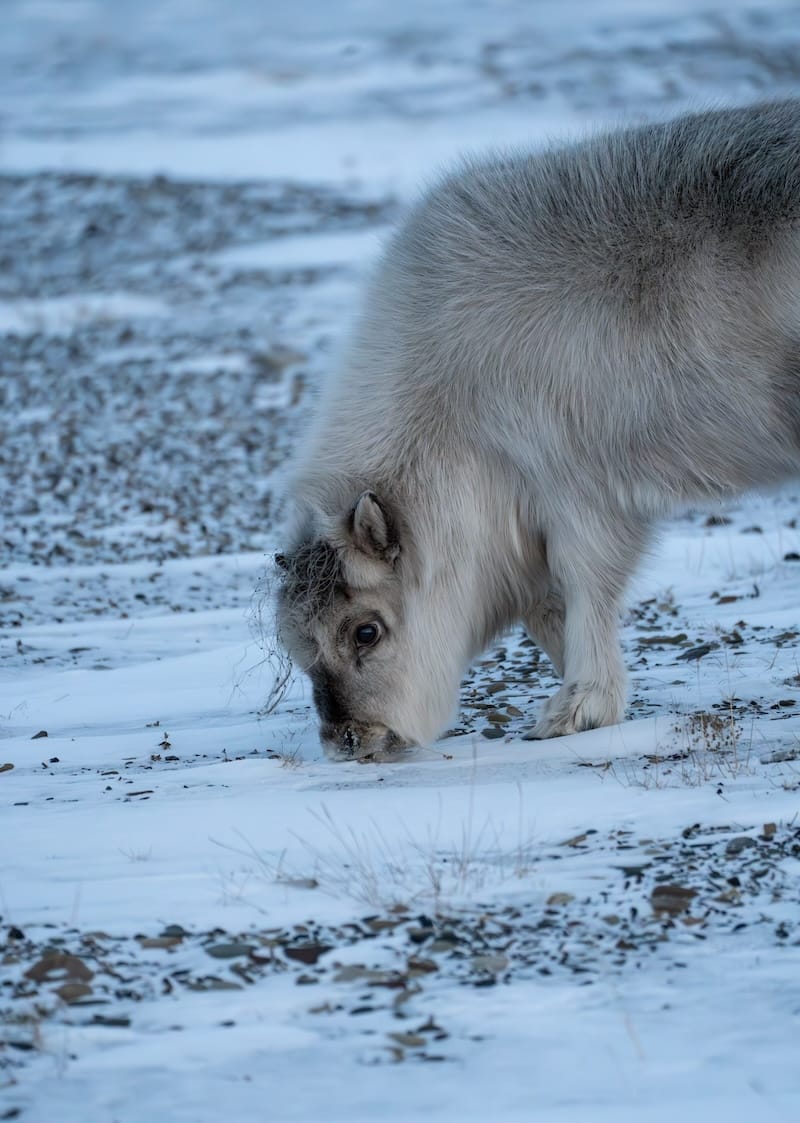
{"type": "Point", "coordinates": [115, 1021]}
{"type": "Point", "coordinates": [350, 972]}
{"type": "Point", "coordinates": [419, 966]}
{"type": "Point", "coordinates": [493, 732]}
{"type": "Point", "coordinates": [382, 923]}
{"type": "Point", "coordinates": [57, 966]}
{"type": "Point", "coordinates": [436, 946]}
{"type": "Point", "coordinates": [408, 1040]}
{"type": "Point", "coordinates": [493, 964]}
{"type": "Point", "coordinates": [307, 953]}
{"type": "Point", "coordinates": [671, 899]}
{"type": "Point", "coordinates": [159, 941]}
{"type": "Point", "coordinates": [73, 992]}
{"type": "Point", "coordinates": [730, 896]}
{"type": "Point", "coordinates": [228, 951]}
{"type": "Point", "coordinates": [174, 930]}
{"type": "Point", "coordinates": [695, 653]}
{"type": "Point", "coordinates": [37, 736]}
{"type": "Point", "coordinates": [323, 1008]}
{"type": "Point", "coordinates": [560, 899]}
{"type": "Point", "coordinates": [211, 982]}
{"type": "Point", "coordinates": [659, 640]}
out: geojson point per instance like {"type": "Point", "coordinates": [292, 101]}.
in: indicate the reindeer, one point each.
{"type": "Point", "coordinates": [555, 351]}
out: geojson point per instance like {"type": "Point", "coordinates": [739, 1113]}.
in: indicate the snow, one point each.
{"type": "Point", "coordinates": [326, 250]}
{"type": "Point", "coordinates": [473, 930]}
{"type": "Point", "coordinates": [60, 315]}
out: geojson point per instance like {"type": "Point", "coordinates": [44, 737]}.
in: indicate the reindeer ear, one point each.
{"type": "Point", "coordinates": [372, 530]}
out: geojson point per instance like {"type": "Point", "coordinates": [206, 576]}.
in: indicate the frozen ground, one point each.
{"type": "Point", "coordinates": [200, 917]}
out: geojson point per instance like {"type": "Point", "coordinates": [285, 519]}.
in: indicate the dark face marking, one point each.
{"type": "Point", "coordinates": [338, 613]}
{"type": "Point", "coordinates": [326, 699]}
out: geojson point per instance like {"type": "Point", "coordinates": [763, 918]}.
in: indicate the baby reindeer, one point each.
{"type": "Point", "coordinates": [555, 351]}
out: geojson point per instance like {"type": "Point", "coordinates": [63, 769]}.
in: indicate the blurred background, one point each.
{"type": "Point", "coordinates": [190, 192]}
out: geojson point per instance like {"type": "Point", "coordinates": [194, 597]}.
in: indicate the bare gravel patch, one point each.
{"type": "Point", "coordinates": [659, 902]}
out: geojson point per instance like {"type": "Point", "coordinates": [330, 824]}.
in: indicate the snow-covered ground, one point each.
{"type": "Point", "coordinates": [200, 918]}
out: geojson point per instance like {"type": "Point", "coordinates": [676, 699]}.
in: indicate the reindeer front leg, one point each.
{"type": "Point", "coordinates": [592, 562]}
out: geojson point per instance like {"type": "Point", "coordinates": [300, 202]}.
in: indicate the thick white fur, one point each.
{"type": "Point", "coordinates": [556, 350]}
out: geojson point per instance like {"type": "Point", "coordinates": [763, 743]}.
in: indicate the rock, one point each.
{"type": "Point", "coordinates": [408, 1040]}
{"type": "Point", "coordinates": [671, 899]}
{"type": "Point", "coordinates": [159, 941]}
{"type": "Point", "coordinates": [73, 992]}
{"type": "Point", "coordinates": [660, 640]}
{"type": "Point", "coordinates": [225, 951]}
{"type": "Point", "coordinates": [382, 924]}
{"type": "Point", "coordinates": [307, 953]}
{"type": "Point", "coordinates": [57, 966]}
{"type": "Point", "coordinates": [493, 964]}
{"type": "Point", "coordinates": [559, 899]}
{"type": "Point", "coordinates": [113, 1021]}
{"type": "Point", "coordinates": [350, 972]}
{"type": "Point", "coordinates": [211, 982]}
{"type": "Point", "coordinates": [419, 966]}
{"type": "Point", "coordinates": [695, 653]}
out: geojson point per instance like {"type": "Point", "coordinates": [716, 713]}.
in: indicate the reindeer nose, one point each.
{"type": "Point", "coordinates": [351, 740]}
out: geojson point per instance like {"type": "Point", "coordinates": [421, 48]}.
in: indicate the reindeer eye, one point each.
{"type": "Point", "coordinates": [367, 635]}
